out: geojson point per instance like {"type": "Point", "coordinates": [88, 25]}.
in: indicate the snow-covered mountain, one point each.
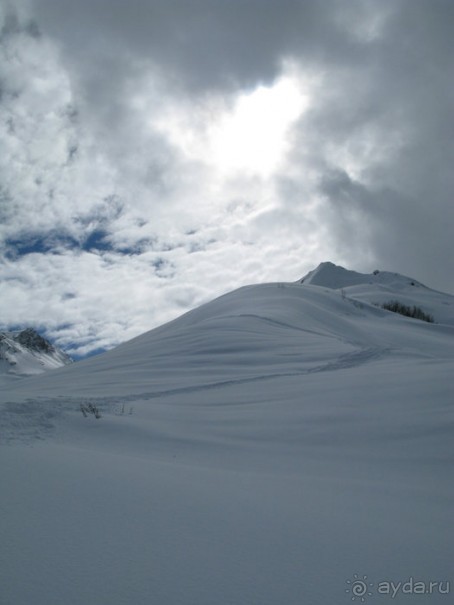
{"type": "Point", "coordinates": [26, 353]}
{"type": "Point", "coordinates": [333, 276]}
{"type": "Point", "coordinates": [275, 445]}
{"type": "Point", "coordinates": [382, 286]}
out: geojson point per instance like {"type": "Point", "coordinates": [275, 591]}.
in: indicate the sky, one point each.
{"type": "Point", "coordinates": [155, 154]}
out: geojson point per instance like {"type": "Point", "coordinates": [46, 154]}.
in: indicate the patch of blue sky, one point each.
{"type": "Point", "coordinates": [97, 241]}
{"type": "Point", "coordinates": [31, 243]}
{"type": "Point", "coordinates": [54, 242]}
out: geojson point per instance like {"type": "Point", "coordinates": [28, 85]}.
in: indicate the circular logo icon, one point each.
{"type": "Point", "coordinates": [358, 588]}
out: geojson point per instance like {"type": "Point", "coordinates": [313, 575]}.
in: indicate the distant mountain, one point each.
{"type": "Point", "coordinates": [27, 353]}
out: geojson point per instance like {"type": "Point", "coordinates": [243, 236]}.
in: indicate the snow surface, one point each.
{"type": "Point", "coordinates": [261, 450]}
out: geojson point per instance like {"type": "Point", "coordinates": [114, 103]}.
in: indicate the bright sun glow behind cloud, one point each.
{"type": "Point", "coordinates": [253, 136]}
{"type": "Point", "coordinates": [250, 137]}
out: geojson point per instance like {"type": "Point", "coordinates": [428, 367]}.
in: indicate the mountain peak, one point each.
{"type": "Point", "coordinates": [27, 353]}
{"type": "Point", "coordinates": [329, 275]}
{"type": "Point", "coordinates": [333, 276]}
{"type": "Point", "coordinates": [32, 340]}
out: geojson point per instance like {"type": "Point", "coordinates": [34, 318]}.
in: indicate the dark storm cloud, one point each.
{"type": "Point", "coordinates": [196, 43]}
{"type": "Point", "coordinates": [380, 138]}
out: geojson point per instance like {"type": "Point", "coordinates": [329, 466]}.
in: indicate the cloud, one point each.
{"type": "Point", "coordinates": [377, 147]}
{"type": "Point", "coordinates": [197, 45]}
{"type": "Point", "coordinates": [127, 195]}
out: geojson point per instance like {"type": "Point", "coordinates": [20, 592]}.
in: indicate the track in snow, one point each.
{"type": "Point", "coordinates": [35, 419]}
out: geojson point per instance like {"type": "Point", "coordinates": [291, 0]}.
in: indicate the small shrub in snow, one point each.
{"type": "Point", "coordinates": [416, 312]}
{"type": "Point", "coordinates": [90, 408]}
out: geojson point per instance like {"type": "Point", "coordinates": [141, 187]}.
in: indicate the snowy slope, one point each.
{"type": "Point", "coordinates": [26, 353]}
{"type": "Point", "coordinates": [261, 449]}
{"type": "Point", "coordinates": [260, 330]}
